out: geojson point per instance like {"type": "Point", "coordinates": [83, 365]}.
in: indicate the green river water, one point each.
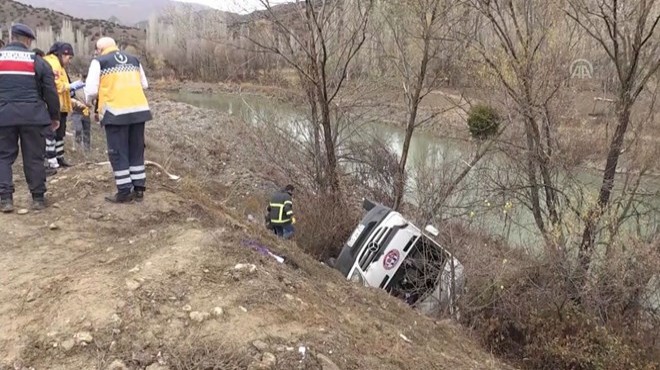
{"type": "Point", "coordinates": [475, 202]}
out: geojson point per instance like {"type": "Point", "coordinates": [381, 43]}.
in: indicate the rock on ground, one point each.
{"type": "Point", "coordinates": [157, 366]}
{"type": "Point", "coordinates": [83, 338]}
{"type": "Point", "coordinates": [260, 345]}
{"type": "Point", "coordinates": [117, 365]}
{"type": "Point", "coordinates": [218, 311]}
{"type": "Point", "coordinates": [326, 363]}
{"type": "Point", "coordinates": [199, 316]}
{"type": "Point", "coordinates": [68, 344]}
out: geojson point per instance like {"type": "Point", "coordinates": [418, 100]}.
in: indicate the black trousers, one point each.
{"type": "Point", "coordinates": [126, 154]}
{"type": "Point", "coordinates": [60, 134]}
{"type": "Point", "coordinates": [55, 140]}
{"type": "Point", "coordinates": [33, 147]}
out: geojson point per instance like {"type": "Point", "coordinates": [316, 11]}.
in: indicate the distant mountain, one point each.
{"type": "Point", "coordinates": [13, 11]}
{"type": "Point", "coordinates": [128, 12]}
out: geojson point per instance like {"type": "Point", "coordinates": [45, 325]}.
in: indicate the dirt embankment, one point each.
{"type": "Point", "coordinates": [172, 283]}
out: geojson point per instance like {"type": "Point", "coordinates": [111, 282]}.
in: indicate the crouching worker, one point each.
{"type": "Point", "coordinates": [280, 213]}
{"type": "Point", "coordinates": [117, 81]}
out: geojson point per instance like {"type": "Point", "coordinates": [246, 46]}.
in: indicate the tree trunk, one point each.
{"type": "Point", "coordinates": [531, 175]}
{"type": "Point", "coordinates": [316, 133]}
{"type": "Point", "coordinates": [400, 181]}
{"type": "Point", "coordinates": [552, 200]}
{"type": "Point", "coordinates": [331, 170]}
{"type": "Point", "coordinates": [589, 234]}
{"type": "Point", "coordinates": [413, 107]}
{"type": "Point", "coordinates": [318, 60]}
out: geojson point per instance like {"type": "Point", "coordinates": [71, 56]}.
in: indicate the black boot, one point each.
{"type": "Point", "coordinates": [63, 162]}
{"type": "Point", "coordinates": [7, 205]}
{"type": "Point", "coordinates": [38, 202]}
{"type": "Point", "coordinates": [138, 193]}
{"type": "Point", "coordinates": [120, 197]}
{"type": "Point", "coordinates": [51, 171]}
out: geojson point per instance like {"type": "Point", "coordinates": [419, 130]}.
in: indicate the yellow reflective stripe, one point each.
{"type": "Point", "coordinates": [280, 219]}
{"type": "Point", "coordinates": [276, 222]}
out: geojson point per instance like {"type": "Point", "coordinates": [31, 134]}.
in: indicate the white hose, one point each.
{"type": "Point", "coordinates": [150, 163]}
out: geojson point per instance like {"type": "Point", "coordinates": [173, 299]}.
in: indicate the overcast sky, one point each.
{"type": "Point", "coordinates": [236, 6]}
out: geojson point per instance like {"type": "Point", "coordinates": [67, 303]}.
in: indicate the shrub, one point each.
{"type": "Point", "coordinates": [483, 122]}
{"type": "Point", "coordinates": [324, 224]}
{"type": "Point", "coordinates": [523, 309]}
{"type": "Point", "coordinates": [578, 342]}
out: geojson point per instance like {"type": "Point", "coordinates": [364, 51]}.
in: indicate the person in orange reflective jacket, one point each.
{"type": "Point", "coordinates": [59, 56]}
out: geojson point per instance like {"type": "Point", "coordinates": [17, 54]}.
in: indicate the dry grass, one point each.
{"type": "Point", "coordinates": [524, 309]}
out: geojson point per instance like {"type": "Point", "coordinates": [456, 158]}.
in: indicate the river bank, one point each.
{"type": "Point", "coordinates": [172, 282]}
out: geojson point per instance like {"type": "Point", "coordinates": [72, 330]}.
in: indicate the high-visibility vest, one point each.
{"type": "Point", "coordinates": [61, 82]}
{"type": "Point", "coordinates": [281, 208]}
{"type": "Point", "coordinates": [121, 98]}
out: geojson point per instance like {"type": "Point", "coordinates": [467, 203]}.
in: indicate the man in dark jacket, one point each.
{"type": "Point", "coordinates": [29, 108]}
{"type": "Point", "coordinates": [280, 213]}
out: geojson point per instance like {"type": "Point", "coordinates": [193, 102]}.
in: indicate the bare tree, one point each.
{"type": "Point", "coordinates": [628, 32]}
{"type": "Point", "coordinates": [414, 36]}
{"type": "Point", "coordinates": [517, 48]}
{"type": "Point", "coordinates": [192, 43]}
{"type": "Point", "coordinates": [319, 40]}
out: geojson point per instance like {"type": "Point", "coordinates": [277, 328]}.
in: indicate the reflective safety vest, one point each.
{"type": "Point", "coordinates": [61, 82]}
{"type": "Point", "coordinates": [280, 208]}
{"type": "Point", "coordinates": [121, 98]}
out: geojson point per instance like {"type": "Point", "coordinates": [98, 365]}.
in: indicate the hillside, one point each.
{"type": "Point", "coordinates": [13, 11]}
{"type": "Point", "coordinates": [126, 12]}
{"type": "Point", "coordinates": [172, 283]}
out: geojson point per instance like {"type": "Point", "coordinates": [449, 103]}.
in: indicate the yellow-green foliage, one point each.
{"type": "Point", "coordinates": [483, 122]}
